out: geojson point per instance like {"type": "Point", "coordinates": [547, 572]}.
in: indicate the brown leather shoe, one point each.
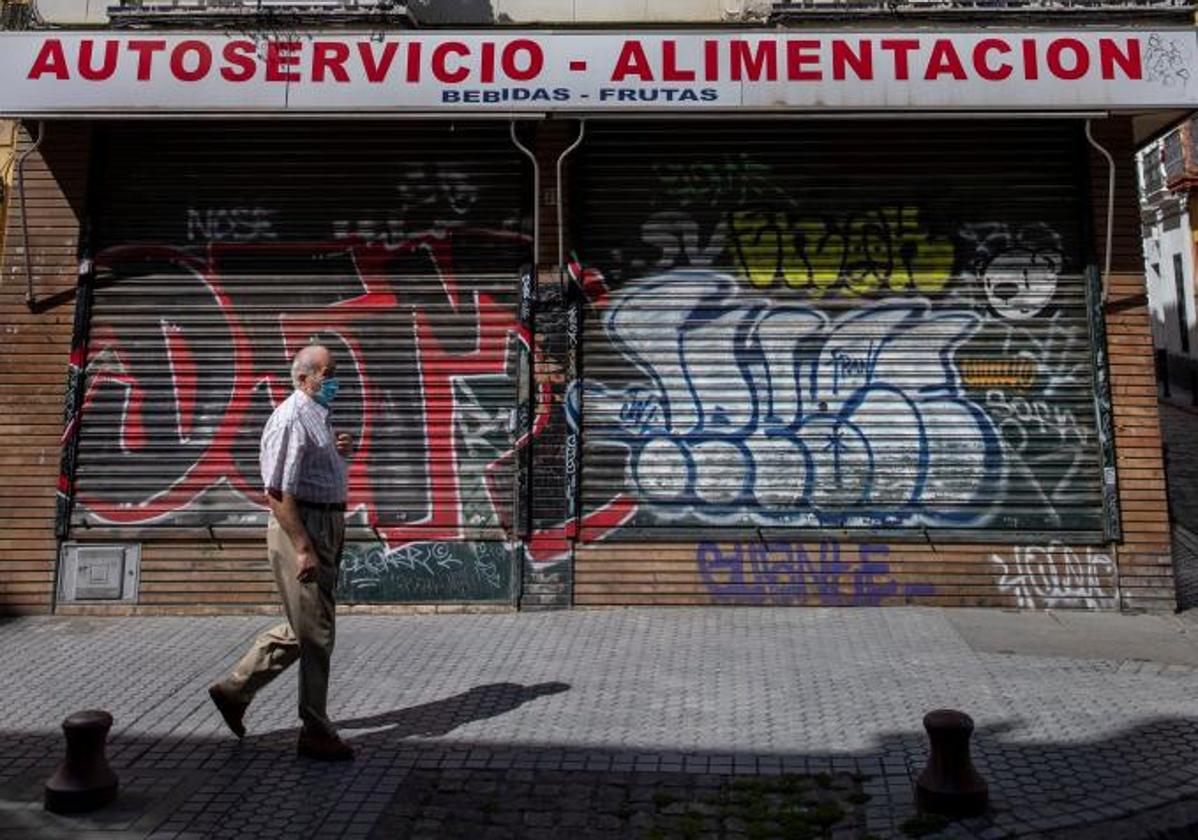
{"type": "Point", "coordinates": [231, 710]}
{"type": "Point", "coordinates": [323, 747]}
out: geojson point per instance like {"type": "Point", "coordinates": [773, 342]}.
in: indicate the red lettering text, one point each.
{"type": "Point", "coordinates": [281, 55]}
{"type": "Point", "coordinates": [1031, 68]}
{"type": "Point", "coordinates": [753, 64]}
{"type": "Point", "coordinates": [711, 61]}
{"type": "Point", "coordinates": [145, 56]}
{"type": "Point", "coordinates": [203, 61]}
{"type": "Point", "coordinates": [861, 61]}
{"type": "Point", "coordinates": [532, 56]}
{"type": "Point", "coordinates": [901, 47]}
{"type": "Point", "coordinates": [441, 71]}
{"type": "Point", "coordinates": [329, 57]}
{"type": "Point", "coordinates": [670, 72]}
{"type": "Point", "coordinates": [1129, 61]}
{"type": "Point", "coordinates": [1081, 58]}
{"type": "Point", "coordinates": [981, 63]}
{"type": "Point", "coordinates": [413, 61]}
{"type": "Point", "coordinates": [944, 60]}
{"type": "Point", "coordinates": [86, 55]}
{"type": "Point", "coordinates": [376, 68]}
{"type": "Point", "coordinates": [50, 60]}
{"type": "Point", "coordinates": [632, 61]}
{"type": "Point", "coordinates": [487, 71]}
{"type": "Point", "coordinates": [797, 56]}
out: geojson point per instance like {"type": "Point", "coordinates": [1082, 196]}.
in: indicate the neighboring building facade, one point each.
{"type": "Point", "coordinates": [821, 341]}
{"type": "Point", "coordinates": [1168, 170]}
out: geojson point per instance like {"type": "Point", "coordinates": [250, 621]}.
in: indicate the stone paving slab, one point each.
{"type": "Point", "coordinates": [1179, 434]}
{"type": "Point", "coordinates": [1138, 641]}
{"type": "Point", "coordinates": [551, 804]}
{"type": "Point", "coordinates": [432, 702]}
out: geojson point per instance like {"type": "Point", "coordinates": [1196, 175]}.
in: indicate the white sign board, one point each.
{"type": "Point", "coordinates": [63, 73]}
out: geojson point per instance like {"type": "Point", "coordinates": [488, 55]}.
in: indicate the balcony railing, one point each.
{"type": "Point", "coordinates": [18, 14]}
{"type": "Point", "coordinates": [1180, 11]}
{"type": "Point", "coordinates": [242, 13]}
{"type": "Point", "coordinates": [1179, 156]}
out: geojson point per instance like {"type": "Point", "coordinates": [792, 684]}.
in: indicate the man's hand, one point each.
{"type": "Point", "coordinates": [344, 443]}
{"type": "Point", "coordinates": [307, 564]}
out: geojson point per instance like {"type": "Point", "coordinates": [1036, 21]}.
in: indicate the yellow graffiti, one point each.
{"type": "Point", "coordinates": [1013, 374]}
{"type": "Point", "coordinates": [882, 250]}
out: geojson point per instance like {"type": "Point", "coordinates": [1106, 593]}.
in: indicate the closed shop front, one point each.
{"type": "Point", "coordinates": [850, 320]}
{"type": "Point", "coordinates": [837, 361]}
{"type": "Point", "coordinates": [221, 248]}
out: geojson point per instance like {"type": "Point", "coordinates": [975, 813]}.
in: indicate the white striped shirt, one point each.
{"type": "Point", "coordinates": [299, 452]}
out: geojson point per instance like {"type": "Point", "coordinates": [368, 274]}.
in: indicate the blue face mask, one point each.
{"type": "Point", "coordinates": [327, 392]}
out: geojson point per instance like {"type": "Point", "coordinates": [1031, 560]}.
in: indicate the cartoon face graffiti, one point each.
{"type": "Point", "coordinates": [1019, 283]}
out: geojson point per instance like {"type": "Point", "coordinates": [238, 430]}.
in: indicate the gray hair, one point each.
{"type": "Point", "coordinates": [304, 363]}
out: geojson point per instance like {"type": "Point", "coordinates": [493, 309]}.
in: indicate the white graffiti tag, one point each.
{"type": "Point", "coordinates": [233, 224]}
{"type": "Point", "coordinates": [1056, 575]}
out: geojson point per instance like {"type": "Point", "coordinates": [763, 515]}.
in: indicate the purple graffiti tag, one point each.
{"type": "Point", "coordinates": [787, 573]}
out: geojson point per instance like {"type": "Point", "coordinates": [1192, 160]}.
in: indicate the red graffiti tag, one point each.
{"type": "Point", "coordinates": [251, 373]}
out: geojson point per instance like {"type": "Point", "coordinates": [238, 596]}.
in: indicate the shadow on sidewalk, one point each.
{"type": "Point", "coordinates": [441, 717]}
{"type": "Point", "coordinates": [412, 779]}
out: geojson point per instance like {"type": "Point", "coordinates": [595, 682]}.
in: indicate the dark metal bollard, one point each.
{"type": "Point", "coordinates": [84, 781]}
{"type": "Point", "coordinates": [950, 785]}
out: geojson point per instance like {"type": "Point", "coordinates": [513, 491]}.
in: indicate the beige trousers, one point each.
{"type": "Point", "coordinates": [309, 632]}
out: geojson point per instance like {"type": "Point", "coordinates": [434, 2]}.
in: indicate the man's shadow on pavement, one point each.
{"type": "Point", "coordinates": [441, 717]}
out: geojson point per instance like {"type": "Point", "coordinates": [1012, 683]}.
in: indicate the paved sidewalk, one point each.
{"type": "Point", "coordinates": [1179, 433]}
{"type": "Point", "coordinates": [625, 723]}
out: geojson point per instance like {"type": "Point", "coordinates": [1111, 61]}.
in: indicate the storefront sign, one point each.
{"type": "Point", "coordinates": [60, 73]}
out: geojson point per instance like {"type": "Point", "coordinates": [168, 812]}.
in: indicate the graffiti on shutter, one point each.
{"type": "Point", "coordinates": [407, 265]}
{"type": "Point", "coordinates": [761, 357]}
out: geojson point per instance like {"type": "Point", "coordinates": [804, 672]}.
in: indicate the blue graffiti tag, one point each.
{"type": "Point", "coordinates": [785, 573]}
{"type": "Point", "coordinates": [763, 414]}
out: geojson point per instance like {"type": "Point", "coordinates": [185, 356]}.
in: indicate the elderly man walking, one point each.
{"type": "Point", "coordinates": [304, 473]}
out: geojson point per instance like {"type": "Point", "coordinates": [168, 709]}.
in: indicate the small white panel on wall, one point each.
{"type": "Point", "coordinates": [99, 572]}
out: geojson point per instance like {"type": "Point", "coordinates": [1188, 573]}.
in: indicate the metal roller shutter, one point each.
{"type": "Point", "coordinates": [845, 327]}
{"type": "Point", "coordinates": [221, 248]}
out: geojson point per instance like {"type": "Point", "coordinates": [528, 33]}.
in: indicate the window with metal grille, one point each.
{"type": "Point", "coordinates": [1172, 157]}
{"type": "Point", "coordinates": [1150, 172]}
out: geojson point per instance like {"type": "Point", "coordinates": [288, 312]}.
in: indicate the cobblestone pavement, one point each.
{"type": "Point", "coordinates": [526, 725]}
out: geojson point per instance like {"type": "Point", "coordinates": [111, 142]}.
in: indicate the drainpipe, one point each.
{"type": "Point", "coordinates": [525, 414]}
{"type": "Point", "coordinates": [561, 231]}
{"type": "Point", "coordinates": [574, 390]}
{"type": "Point", "coordinates": [41, 133]}
{"type": "Point", "coordinates": [536, 194]}
{"type": "Point", "coordinates": [1106, 277]}
{"type": "Point", "coordinates": [573, 402]}
{"type": "Point", "coordinates": [1110, 211]}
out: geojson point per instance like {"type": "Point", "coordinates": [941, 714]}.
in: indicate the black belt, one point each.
{"type": "Point", "coordinates": [337, 506]}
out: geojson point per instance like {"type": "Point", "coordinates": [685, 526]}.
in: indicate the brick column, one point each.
{"type": "Point", "coordinates": [36, 346]}
{"type": "Point", "coordinates": [1145, 555]}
